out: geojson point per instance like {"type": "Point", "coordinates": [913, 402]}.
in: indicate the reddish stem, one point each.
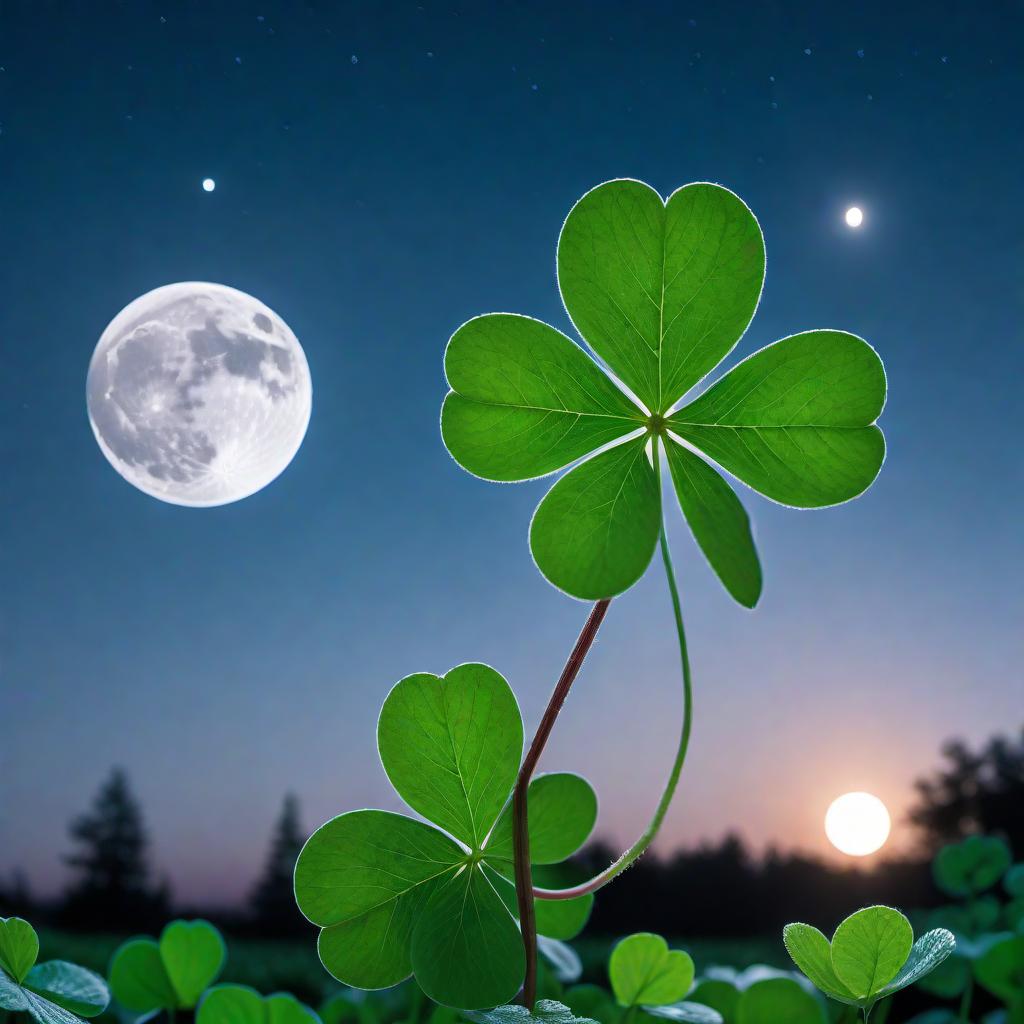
{"type": "Point", "coordinates": [520, 814]}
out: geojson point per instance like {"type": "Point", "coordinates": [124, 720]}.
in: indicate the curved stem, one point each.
{"type": "Point", "coordinates": [520, 816]}
{"type": "Point", "coordinates": [631, 855]}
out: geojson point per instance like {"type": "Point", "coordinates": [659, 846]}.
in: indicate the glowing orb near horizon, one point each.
{"type": "Point", "coordinates": [209, 184]}
{"type": "Point", "coordinates": [857, 824]}
{"type": "Point", "coordinates": [198, 394]}
{"type": "Point", "coordinates": [854, 217]}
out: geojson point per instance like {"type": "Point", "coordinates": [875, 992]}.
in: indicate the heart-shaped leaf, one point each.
{"type": "Point", "coordinates": [869, 948]}
{"type": "Point", "coordinates": [19, 947]}
{"type": "Point", "coordinates": [138, 978]}
{"type": "Point", "coordinates": [239, 1004]}
{"type": "Point", "coordinates": [686, 1012]}
{"type": "Point", "coordinates": [193, 956]}
{"type": "Point", "coordinates": [795, 421]}
{"type": "Point", "coordinates": [779, 999]}
{"type": "Point", "coordinates": [451, 747]}
{"type": "Point", "coordinates": [545, 1011]}
{"type": "Point", "coordinates": [362, 877]}
{"type": "Point", "coordinates": [594, 533]}
{"type": "Point", "coordinates": [562, 809]}
{"type": "Point", "coordinates": [661, 291]}
{"type": "Point", "coordinates": [1001, 969]}
{"type": "Point", "coordinates": [644, 972]}
{"type": "Point", "coordinates": [526, 400]}
{"type": "Point", "coordinates": [719, 523]}
{"type": "Point", "coordinates": [971, 866]}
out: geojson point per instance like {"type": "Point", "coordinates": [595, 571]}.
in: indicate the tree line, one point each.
{"type": "Point", "coordinates": [719, 889]}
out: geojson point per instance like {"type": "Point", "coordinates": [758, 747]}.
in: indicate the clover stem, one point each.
{"type": "Point", "coordinates": [965, 1001]}
{"type": "Point", "coordinates": [520, 818]}
{"type": "Point", "coordinates": [631, 855]}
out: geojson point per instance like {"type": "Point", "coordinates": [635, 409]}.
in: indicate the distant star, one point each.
{"type": "Point", "coordinates": [209, 184]}
{"type": "Point", "coordinates": [854, 216]}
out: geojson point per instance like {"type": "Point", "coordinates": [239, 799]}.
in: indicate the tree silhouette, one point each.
{"type": "Point", "coordinates": [111, 860]}
{"type": "Point", "coordinates": [979, 791]}
{"type": "Point", "coordinates": [273, 900]}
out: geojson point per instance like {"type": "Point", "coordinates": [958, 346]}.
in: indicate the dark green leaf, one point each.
{"type": "Point", "coordinates": [1001, 969]}
{"type": "Point", "coordinates": [362, 877]}
{"type": "Point", "coordinates": [562, 809]}
{"type": "Point", "coordinates": [719, 995]}
{"type": "Point", "coordinates": [525, 400]}
{"type": "Point", "coordinates": [719, 523]}
{"type": "Point", "coordinates": [661, 291]}
{"type": "Point", "coordinates": [138, 979]}
{"type": "Point", "coordinates": [452, 747]}
{"type": "Point", "coordinates": [971, 866]}
{"type": "Point", "coordinates": [557, 919]}
{"type": "Point", "coordinates": [795, 420]}
{"type": "Point", "coordinates": [777, 1000]}
{"type": "Point", "coordinates": [594, 533]}
{"type": "Point", "coordinates": [594, 1002]}
{"type": "Point", "coordinates": [467, 951]}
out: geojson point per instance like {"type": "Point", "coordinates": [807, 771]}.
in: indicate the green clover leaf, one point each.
{"type": "Point", "coordinates": [396, 897]}
{"type": "Point", "coordinates": [1001, 970]}
{"type": "Point", "coordinates": [239, 1004]}
{"type": "Point", "coordinates": [661, 291]}
{"type": "Point", "coordinates": [971, 866]}
{"type": "Point", "coordinates": [170, 974]}
{"type": "Point", "coordinates": [646, 974]}
{"type": "Point", "coordinates": [778, 999]}
{"type": "Point", "coordinates": [55, 992]}
{"type": "Point", "coordinates": [872, 955]}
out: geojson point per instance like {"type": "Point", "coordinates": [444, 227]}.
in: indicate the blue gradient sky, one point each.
{"type": "Point", "coordinates": [225, 656]}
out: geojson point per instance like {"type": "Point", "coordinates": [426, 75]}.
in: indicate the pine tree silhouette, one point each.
{"type": "Point", "coordinates": [114, 885]}
{"type": "Point", "coordinates": [273, 900]}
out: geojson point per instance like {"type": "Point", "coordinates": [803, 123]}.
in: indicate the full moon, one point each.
{"type": "Point", "coordinates": [857, 824]}
{"type": "Point", "coordinates": [198, 394]}
{"type": "Point", "coordinates": [854, 216]}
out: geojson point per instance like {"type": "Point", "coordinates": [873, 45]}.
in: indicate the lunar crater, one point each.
{"type": "Point", "coordinates": [189, 403]}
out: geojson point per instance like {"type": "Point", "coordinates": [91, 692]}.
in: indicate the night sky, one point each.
{"type": "Point", "coordinates": [383, 173]}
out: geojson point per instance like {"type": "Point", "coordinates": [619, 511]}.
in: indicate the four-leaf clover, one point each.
{"type": "Point", "coordinates": [54, 992]}
{"type": "Point", "coordinates": [661, 291]}
{"type": "Point", "coordinates": [396, 896]}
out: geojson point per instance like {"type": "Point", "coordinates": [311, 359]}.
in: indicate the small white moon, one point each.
{"type": "Point", "coordinates": [209, 184]}
{"type": "Point", "coordinates": [198, 394]}
{"type": "Point", "coordinates": [857, 824]}
{"type": "Point", "coordinates": [854, 216]}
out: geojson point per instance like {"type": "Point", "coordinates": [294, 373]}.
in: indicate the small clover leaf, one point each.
{"type": "Point", "coordinates": [645, 972]}
{"type": "Point", "coordinates": [872, 955]}
{"type": "Point", "coordinates": [239, 1004]}
{"type": "Point", "coordinates": [661, 291]}
{"type": "Point", "coordinates": [971, 866]}
{"type": "Point", "coordinates": [1013, 881]}
{"type": "Point", "coordinates": [396, 897]}
{"type": "Point", "coordinates": [722, 996]}
{"type": "Point", "coordinates": [170, 974]}
{"type": "Point", "coordinates": [55, 992]}
{"type": "Point", "coordinates": [778, 999]}
{"type": "Point", "coordinates": [545, 1011]}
